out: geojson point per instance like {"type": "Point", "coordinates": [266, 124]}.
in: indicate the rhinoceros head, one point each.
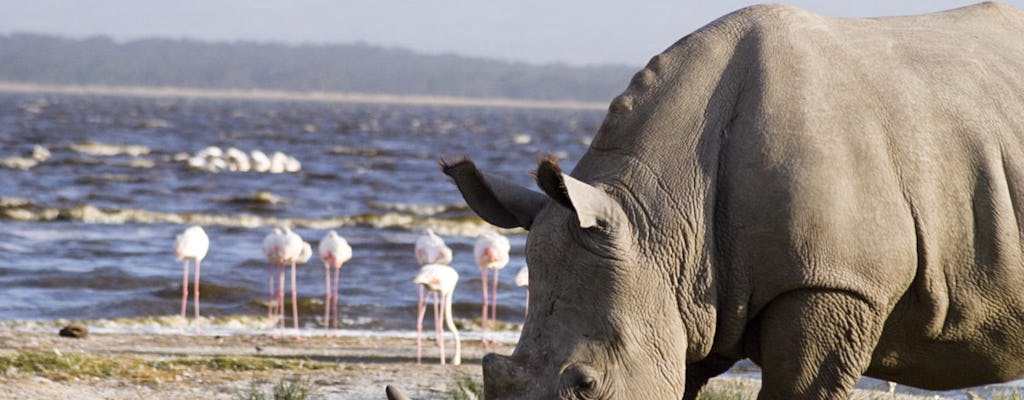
{"type": "Point", "coordinates": [602, 324]}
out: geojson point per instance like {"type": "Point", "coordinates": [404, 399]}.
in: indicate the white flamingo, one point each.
{"type": "Point", "coordinates": [272, 245]}
{"type": "Point", "coordinates": [442, 279]}
{"type": "Point", "coordinates": [260, 161]}
{"type": "Point", "coordinates": [430, 249]}
{"type": "Point", "coordinates": [523, 280]}
{"type": "Point", "coordinates": [192, 244]}
{"type": "Point", "coordinates": [491, 253]}
{"type": "Point", "coordinates": [334, 251]}
{"type": "Point", "coordinates": [291, 252]}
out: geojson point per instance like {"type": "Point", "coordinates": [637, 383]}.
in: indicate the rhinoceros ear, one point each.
{"type": "Point", "coordinates": [591, 205]}
{"type": "Point", "coordinates": [500, 202]}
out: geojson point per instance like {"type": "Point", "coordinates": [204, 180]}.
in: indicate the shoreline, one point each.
{"type": "Point", "coordinates": [211, 366]}
{"type": "Point", "coordinates": [286, 95]}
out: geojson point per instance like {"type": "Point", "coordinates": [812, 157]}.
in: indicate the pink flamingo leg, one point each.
{"type": "Point", "coordinates": [280, 296]}
{"type": "Point", "coordinates": [483, 312]}
{"type": "Point", "coordinates": [327, 301]}
{"type": "Point", "coordinates": [494, 301]}
{"type": "Point", "coordinates": [421, 308]}
{"type": "Point", "coordinates": [337, 288]}
{"type": "Point", "coordinates": [273, 298]}
{"type": "Point", "coordinates": [184, 289]}
{"type": "Point", "coordinates": [196, 290]}
{"type": "Point", "coordinates": [438, 329]}
{"type": "Point", "coordinates": [295, 302]}
{"type": "Point", "coordinates": [440, 332]}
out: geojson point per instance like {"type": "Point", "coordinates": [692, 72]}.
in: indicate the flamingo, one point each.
{"type": "Point", "coordinates": [491, 252]}
{"type": "Point", "coordinates": [442, 279]}
{"type": "Point", "coordinates": [430, 249]}
{"type": "Point", "coordinates": [334, 251]}
{"type": "Point", "coordinates": [272, 244]}
{"type": "Point", "coordinates": [523, 280]}
{"type": "Point", "coordinates": [304, 255]}
{"type": "Point", "coordinates": [192, 244]}
{"type": "Point", "coordinates": [290, 252]}
{"type": "Point", "coordinates": [260, 161]}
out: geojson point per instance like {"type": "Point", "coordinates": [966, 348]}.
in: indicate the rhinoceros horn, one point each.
{"type": "Point", "coordinates": [395, 394]}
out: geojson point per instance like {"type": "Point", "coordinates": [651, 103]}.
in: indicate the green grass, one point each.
{"type": "Point", "coordinates": [466, 387]}
{"type": "Point", "coordinates": [285, 389]}
{"type": "Point", "coordinates": [63, 367]}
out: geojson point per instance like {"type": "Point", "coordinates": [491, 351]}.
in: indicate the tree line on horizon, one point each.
{"type": "Point", "coordinates": [356, 68]}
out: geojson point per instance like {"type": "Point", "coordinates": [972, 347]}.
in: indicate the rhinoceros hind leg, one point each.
{"type": "Point", "coordinates": [815, 344]}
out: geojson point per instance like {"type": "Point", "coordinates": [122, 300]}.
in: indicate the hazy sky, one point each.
{"type": "Point", "coordinates": [537, 31]}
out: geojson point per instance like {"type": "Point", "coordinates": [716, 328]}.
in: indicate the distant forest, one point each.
{"type": "Point", "coordinates": [356, 68]}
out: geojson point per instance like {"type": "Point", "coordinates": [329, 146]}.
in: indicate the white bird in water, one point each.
{"type": "Point", "coordinates": [295, 249]}
{"type": "Point", "coordinates": [430, 249]}
{"type": "Point", "coordinates": [237, 160]}
{"type": "Point", "coordinates": [334, 251]}
{"type": "Point", "coordinates": [523, 280]}
{"type": "Point", "coordinates": [192, 244]}
{"type": "Point", "coordinates": [273, 244]}
{"type": "Point", "coordinates": [491, 253]}
{"type": "Point", "coordinates": [260, 161]}
{"type": "Point", "coordinates": [442, 279]}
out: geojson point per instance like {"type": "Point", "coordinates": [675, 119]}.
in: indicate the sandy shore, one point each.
{"type": "Point", "coordinates": [357, 367]}
{"type": "Point", "coordinates": [284, 95]}
{"type": "Point", "coordinates": [334, 367]}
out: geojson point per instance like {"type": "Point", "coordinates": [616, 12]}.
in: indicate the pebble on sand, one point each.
{"type": "Point", "coordinates": [74, 330]}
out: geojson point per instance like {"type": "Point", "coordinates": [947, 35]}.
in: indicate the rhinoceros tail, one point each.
{"type": "Point", "coordinates": [395, 394]}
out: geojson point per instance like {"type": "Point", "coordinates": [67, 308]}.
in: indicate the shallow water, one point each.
{"type": "Point", "coordinates": [88, 233]}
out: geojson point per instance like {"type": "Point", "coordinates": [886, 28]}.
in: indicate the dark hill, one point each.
{"type": "Point", "coordinates": [335, 68]}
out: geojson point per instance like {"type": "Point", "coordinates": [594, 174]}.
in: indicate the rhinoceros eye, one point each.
{"type": "Point", "coordinates": [578, 381]}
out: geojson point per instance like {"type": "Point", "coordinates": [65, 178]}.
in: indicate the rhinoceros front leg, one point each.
{"type": "Point", "coordinates": [815, 344]}
{"type": "Point", "coordinates": [698, 374]}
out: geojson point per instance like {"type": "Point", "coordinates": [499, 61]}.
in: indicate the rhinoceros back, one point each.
{"type": "Point", "coordinates": [880, 157]}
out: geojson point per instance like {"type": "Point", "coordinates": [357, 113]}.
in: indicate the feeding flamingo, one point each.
{"type": "Point", "coordinates": [334, 251]}
{"type": "Point", "coordinates": [290, 251]}
{"type": "Point", "coordinates": [523, 280]}
{"type": "Point", "coordinates": [272, 243]}
{"type": "Point", "coordinates": [304, 255]}
{"type": "Point", "coordinates": [442, 279]}
{"type": "Point", "coordinates": [430, 249]}
{"type": "Point", "coordinates": [491, 253]}
{"type": "Point", "coordinates": [192, 244]}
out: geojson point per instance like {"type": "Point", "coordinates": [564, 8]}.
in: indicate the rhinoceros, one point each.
{"type": "Point", "coordinates": [827, 197]}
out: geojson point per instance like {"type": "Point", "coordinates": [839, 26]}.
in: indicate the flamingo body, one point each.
{"type": "Point", "coordinates": [192, 244]}
{"type": "Point", "coordinates": [430, 249]}
{"type": "Point", "coordinates": [442, 279]}
{"type": "Point", "coordinates": [491, 253]}
{"type": "Point", "coordinates": [334, 251]}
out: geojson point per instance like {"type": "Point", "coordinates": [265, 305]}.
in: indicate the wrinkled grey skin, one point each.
{"type": "Point", "coordinates": [828, 197]}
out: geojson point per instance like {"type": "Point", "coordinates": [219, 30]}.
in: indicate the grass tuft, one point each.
{"type": "Point", "coordinates": [285, 389]}
{"type": "Point", "coordinates": [64, 367]}
{"type": "Point", "coordinates": [466, 387]}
